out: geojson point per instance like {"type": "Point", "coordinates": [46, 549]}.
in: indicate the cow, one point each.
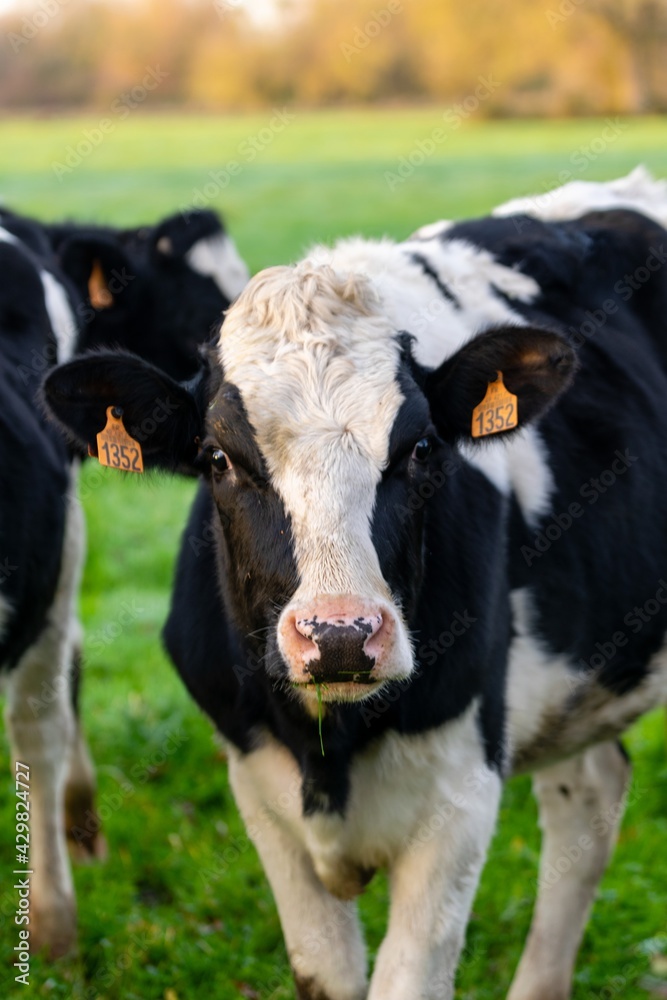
{"type": "Point", "coordinates": [58, 297]}
{"type": "Point", "coordinates": [157, 290]}
{"type": "Point", "coordinates": [427, 552]}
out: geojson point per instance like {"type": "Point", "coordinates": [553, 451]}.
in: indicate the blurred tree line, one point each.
{"type": "Point", "coordinates": [536, 57]}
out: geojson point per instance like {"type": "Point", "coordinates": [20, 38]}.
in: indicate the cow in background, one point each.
{"type": "Point", "coordinates": [156, 290]}
{"type": "Point", "coordinates": [160, 290]}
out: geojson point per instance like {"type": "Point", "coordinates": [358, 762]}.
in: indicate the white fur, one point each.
{"type": "Point", "coordinates": [639, 191]}
{"type": "Point", "coordinates": [61, 316]}
{"type": "Point", "coordinates": [217, 257]}
{"type": "Point", "coordinates": [529, 472]}
{"type": "Point", "coordinates": [57, 305]}
{"type": "Point", "coordinates": [548, 694]}
{"type": "Point", "coordinates": [424, 806]}
{"type": "Point", "coordinates": [537, 680]}
{"type": "Point", "coordinates": [40, 728]}
{"type": "Point", "coordinates": [413, 302]}
{"type": "Point", "coordinates": [7, 237]}
{"type": "Point", "coordinates": [432, 230]}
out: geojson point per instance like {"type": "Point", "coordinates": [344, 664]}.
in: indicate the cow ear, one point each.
{"type": "Point", "coordinates": [176, 235]}
{"type": "Point", "coordinates": [162, 415]}
{"type": "Point", "coordinates": [99, 268]}
{"type": "Point", "coordinates": [536, 366]}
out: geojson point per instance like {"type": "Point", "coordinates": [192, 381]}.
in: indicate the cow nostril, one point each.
{"type": "Point", "coordinates": [300, 633]}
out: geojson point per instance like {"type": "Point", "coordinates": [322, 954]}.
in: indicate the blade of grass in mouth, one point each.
{"type": "Point", "coordinates": [319, 715]}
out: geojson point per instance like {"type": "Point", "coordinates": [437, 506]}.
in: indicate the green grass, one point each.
{"type": "Point", "coordinates": [182, 909]}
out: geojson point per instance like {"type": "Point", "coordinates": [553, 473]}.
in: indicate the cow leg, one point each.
{"type": "Point", "coordinates": [40, 725]}
{"type": "Point", "coordinates": [322, 934]}
{"type": "Point", "coordinates": [581, 803]}
{"type": "Point", "coordinates": [82, 824]}
{"type": "Point", "coordinates": [432, 889]}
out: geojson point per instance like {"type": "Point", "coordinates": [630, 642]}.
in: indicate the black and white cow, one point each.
{"type": "Point", "coordinates": [440, 598]}
{"type": "Point", "coordinates": [157, 290]}
{"type": "Point", "coordinates": [170, 295]}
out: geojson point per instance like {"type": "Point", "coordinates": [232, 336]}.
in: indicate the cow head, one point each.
{"type": "Point", "coordinates": [312, 426]}
{"type": "Point", "coordinates": [158, 291]}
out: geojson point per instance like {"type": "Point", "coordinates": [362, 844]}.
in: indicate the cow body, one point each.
{"type": "Point", "coordinates": [459, 609]}
{"type": "Point", "coordinates": [51, 306]}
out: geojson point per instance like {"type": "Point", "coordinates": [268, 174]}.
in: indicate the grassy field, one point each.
{"type": "Point", "coordinates": [181, 910]}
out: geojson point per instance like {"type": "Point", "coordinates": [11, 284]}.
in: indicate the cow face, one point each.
{"type": "Point", "coordinates": [312, 427]}
{"type": "Point", "coordinates": [159, 291]}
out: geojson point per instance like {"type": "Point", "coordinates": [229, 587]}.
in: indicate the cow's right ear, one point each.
{"type": "Point", "coordinates": [163, 415]}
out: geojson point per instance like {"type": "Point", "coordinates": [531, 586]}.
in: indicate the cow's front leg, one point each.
{"type": "Point", "coordinates": [322, 934]}
{"type": "Point", "coordinates": [581, 804]}
{"type": "Point", "coordinates": [433, 884]}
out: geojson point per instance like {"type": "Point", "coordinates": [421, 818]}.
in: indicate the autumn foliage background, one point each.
{"type": "Point", "coordinates": [549, 57]}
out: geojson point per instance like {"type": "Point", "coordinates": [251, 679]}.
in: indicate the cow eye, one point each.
{"type": "Point", "coordinates": [422, 449]}
{"type": "Point", "coordinates": [219, 460]}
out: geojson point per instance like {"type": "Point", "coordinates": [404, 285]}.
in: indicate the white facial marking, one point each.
{"type": "Point", "coordinates": [217, 257]}
{"type": "Point", "coordinates": [315, 361]}
{"type": "Point", "coordinates": [639, 191]}
{"type": "Point", "coordinates": [61, 316]}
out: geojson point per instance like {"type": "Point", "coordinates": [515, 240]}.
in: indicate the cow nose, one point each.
{"type": "Point", "coordinates": [334, 645]}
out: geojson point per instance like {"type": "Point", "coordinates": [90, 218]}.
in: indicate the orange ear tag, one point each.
{"type": "Point", "coordinates": [98, 292]}
{"type": "Point", "coordinates": [116, 448]}
{"type": "Point", "coordinates": [497, 412]}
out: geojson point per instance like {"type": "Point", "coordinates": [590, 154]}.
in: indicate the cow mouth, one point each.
{"type": "Point", "coordinates": [337, 691]}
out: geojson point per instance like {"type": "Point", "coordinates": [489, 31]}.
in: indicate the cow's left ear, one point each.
{"type": "Point", "coordinates": [536, 366]}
